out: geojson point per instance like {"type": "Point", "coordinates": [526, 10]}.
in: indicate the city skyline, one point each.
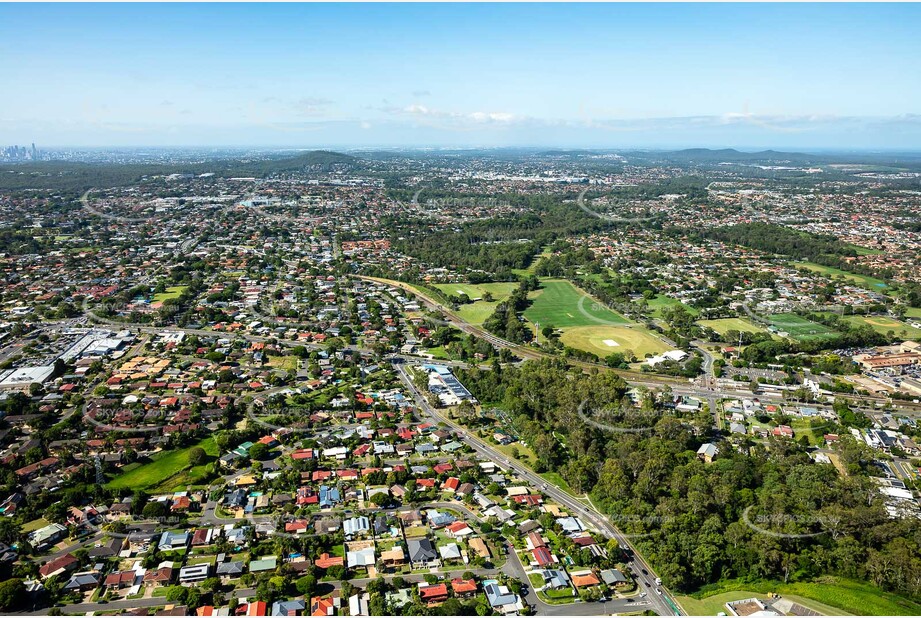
{"type": "Point", "coordinates": [609, 76]}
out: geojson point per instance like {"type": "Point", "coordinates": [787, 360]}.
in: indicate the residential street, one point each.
{"type": "Point", "coordinates": [660, 603]}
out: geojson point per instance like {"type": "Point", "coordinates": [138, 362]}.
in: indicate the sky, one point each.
{"type": "Point", "coordinates": [821, 76]}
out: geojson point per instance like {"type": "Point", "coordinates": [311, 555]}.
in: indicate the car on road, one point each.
{"type": "Point", "coordinates": [642, 594]}
{"type": "Point", "coordinates": [658, 591]}
{"type": "Point", "coordinates": [645, 572]}
{"type": "Point", "coordinates": [658, 581]}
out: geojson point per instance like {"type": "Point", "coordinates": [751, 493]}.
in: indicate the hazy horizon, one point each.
{"type": "Point", "coordinates": [783, 76]}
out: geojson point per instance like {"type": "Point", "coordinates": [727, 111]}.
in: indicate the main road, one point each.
{"type": "Point", "coordinates": [661, 603]}
{"type": "Point", "coordinates": [635, 378]}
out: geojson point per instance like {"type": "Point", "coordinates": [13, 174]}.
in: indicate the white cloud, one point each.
{"type": "Point", "coordinates": [312, 106]}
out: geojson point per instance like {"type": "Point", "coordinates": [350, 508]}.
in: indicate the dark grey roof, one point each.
{"type": "Point", "coordinates": [421, 550]}
{"type": "Point", "coordinates": [230, 568]}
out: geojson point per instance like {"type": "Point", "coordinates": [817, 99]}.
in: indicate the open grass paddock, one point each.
{"type": "Point", "coordinates": [477, 312]}
{"type": "Point", "coordinates": [173, 465]}
{"type": "Point", "coordinates": [829, 595]}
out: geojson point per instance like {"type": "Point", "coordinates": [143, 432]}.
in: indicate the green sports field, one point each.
{"type": "Point", "coordinates": [605, 340]}
{"type": "Point", "coordinates": [870, 283]}
{"type": "Point", "coordinates": [724, 325]}
{"type": "Point", "coordinates": [562, 305]}
{"type": "Point", "coordinates": [883, 324]}
{"type": "Point", "coordinates": [800, 328]}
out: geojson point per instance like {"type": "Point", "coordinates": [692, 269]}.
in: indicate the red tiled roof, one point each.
{"type": "Point", "coordinates": [463, 586]}
{"type": "Point", "coordinates": [433, 592]}
{"type": "Point", "coordinates": [325, 561]}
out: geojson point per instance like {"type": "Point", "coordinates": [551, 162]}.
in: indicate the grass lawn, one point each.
{"type": "Point", "coordinates": [288, 363]}
{"type": "Point", "coordinates": [871, 283]}
{"type": "Point", "coordinates": [713, 605]}
{"type": "Point", "coordinates": [816, 433]}
{"type": "Point", "coordinates": [166, 467]}
{"type": "Point", "coordinates": [171, 292]}
{"type": "Point", "coordinates": [828, 595]}
{"type": "Point", "coordinates": [913, 312]}
{"type": "Point", "coordinates": [525, 454]}
{"type": "Point", "coordinates": [883, 324]}
{"type": "Point", "coordinates": [558, 597]}
{"type": "Point", "coordinates": [554, 478]}
{"type": "Point", "coordinates": [723, 325]}
{"type": "Point", "coordinates": [415, 532]}
{"type": "Point", "coordinates": [598, 339]}
{"type": "Point", "coordinates": [476, 313]}
{"type": "Point", "coordinates": [201, 560]}
{"type": "Point", "coordinates": [35, 524]}
{"type": "Point", "coordinates": [800, 328]}
{"type": "Point", "coordinates": [660, 302]}
{"type": "Point", "coordinates": [438, 352]}
{"type": "Point", "coordinates": [853, 597]}
{"type": "Point", "coordinates": [562, 305]}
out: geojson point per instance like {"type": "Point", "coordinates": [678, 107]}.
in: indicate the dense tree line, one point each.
{"type": "Point", "coordinates": [19, 242]}
{"type": "Point", "coordinates": [694, 188]}
{"type": "Point", "coordinates": [505, 321]}
{"type": "Point", "coordinates": [495, 245]}
{"type": "Point", "coordinates": [764, 511]}
{"type": "Point", "coordinates": [773, 238]}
